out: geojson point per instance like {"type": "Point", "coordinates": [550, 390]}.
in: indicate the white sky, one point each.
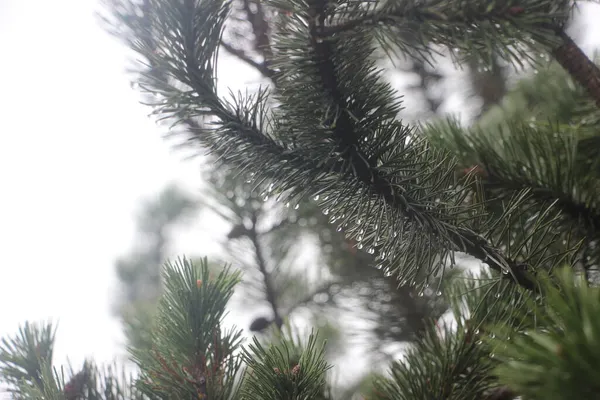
{"type": "Point", "coordinates": [77, 154]}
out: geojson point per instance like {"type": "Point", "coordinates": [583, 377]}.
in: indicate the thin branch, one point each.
{"type": "Point", "coordinates": [262, 42]}
{"type": "Point", "coordinates": [260, 28]}
{"type": "Point", "coordinates": [262, 266]}
{"type": "Point", "coordinates": [500, 393]}
{"type": "Point", "coordinates": [260, 67]}
{"type": "Point", "coordinates": [308, 298]}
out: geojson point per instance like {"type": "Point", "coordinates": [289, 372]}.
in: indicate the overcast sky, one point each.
{"type": "Point", "coordinates": [77, 153]}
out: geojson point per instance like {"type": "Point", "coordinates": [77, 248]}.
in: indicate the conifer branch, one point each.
{"type": "Point", "coordinates": [578, 65]}
{"type": "Point", "coordinates": [243, 125]}
{"type": "Point", "coordinates": [366, 172]}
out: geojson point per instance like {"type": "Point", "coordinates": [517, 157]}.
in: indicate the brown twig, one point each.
{"type": "Point", "coordinates": [241, 54]}
{"type": "Point", "coordinates": [262, 266]}
{"type": "Point", "coordinates": [578, 65]}
{"type": "Point", "coordinates": [262, 41]}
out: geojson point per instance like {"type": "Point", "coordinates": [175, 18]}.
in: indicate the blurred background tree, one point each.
{"type": "Point", "coordinates": [139, 273]}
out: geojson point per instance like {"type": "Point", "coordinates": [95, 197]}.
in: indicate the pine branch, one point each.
{"type": "Point", "coordinates": [244, 124]}
{"type": "Point", "coordinates": [367, 173]}
{"type": "Point", "coordinates": [347, 167]}
{"type": "Point", "coordinates": [24, 357]}
{"type": "Point", "coordinates": [191, 355]}
{"type": "Point", "coordinates": [567, 53]}
{"type": "Point", "coordinates": [439, 21]}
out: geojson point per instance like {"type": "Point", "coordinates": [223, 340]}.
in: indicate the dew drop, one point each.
{"type": "Point", "coordinates": [492, 355]}
{"type": "Point", "coordinates": [326, 211]}
{"type": "Point", "coordinates": [287, 204]}
{"type": "Point", "coordinates": [360, 246]}
{"type": "Point", "coordinates": [505, 271]}
{"type": "Point", "coordinates": [359, 238]}
{"type": "Point", "coordinates": [297, 206]}
{"type": "Point", "coordinates": [479, 342]}
{"type": "Point", "coordinates": [371, 250]}
{"type": "Point", "coordinates": [497, 295]}
{"type": "Point", "coordinates": [316, 197]}
{"type": "Point", "coordinates": [339, 228]}
{"type": "Point", "coordinates": [382, 255]}
{"type": "Point", "coordinates": [438, 293]}
{"type": "Point", "coordinates": [421, 293]}
{"type": "Point", "coordinates": [379, 266]}
{"type": "Point", "coordinates": [477, 331]}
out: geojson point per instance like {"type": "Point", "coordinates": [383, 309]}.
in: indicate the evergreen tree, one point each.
{"type": "Point", "coordinates": [139, 273]}
{"type": "Point", "coordinates": [516, 193]}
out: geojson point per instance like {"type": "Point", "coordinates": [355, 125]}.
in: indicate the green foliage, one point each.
{"type": "Point", "coordinates": [561, 358]}
{"type": "Point", "coordinates": [453, 362]}
{"type": "Point", "coordinates": [286, 370]}
{"type": "Point", "coordinates": [23, 357]}
{"type": "Point", "coordinates": [330, 130]}
{"type": "Point", "coordinates": [190, 353]}
{"type": "Point", "coordinates": [276, 235]}
{"type": "Point", "coordinates": [387, 191]}
{"type": "Point", "coordinates": [26, 367]}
